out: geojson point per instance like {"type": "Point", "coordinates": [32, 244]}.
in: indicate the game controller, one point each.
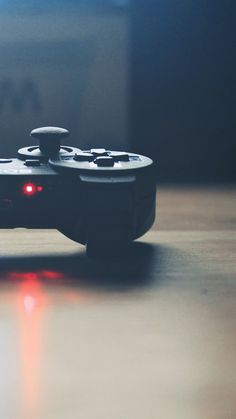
{"type": "Point", "coordinates": [100, 198]}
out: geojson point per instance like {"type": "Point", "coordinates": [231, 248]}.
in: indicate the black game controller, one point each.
{"type": "Point", "coordinates": [101, 198]}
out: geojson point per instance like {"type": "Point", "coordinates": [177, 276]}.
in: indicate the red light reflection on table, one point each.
{"type": "Point", "coordinates": [30, 299]}
{"type": "Point", "coordinates": [34, 294]}
{"type": "Point", "coordinates": [37, 290]}
{"type": "Point", "coordinates": [36, 276]}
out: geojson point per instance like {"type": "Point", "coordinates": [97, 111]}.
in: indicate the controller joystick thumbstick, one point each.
{"type": "Point", "coordinates": [49, 146]}
{"type": "Point", "coordinates": [49, 139]}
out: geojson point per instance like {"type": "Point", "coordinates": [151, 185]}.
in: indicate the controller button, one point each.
{"type": "Point", "coordinates": [119, 156]}
{"type": "Point", "coordinates": [84, 157]}
{"type": "Point", "coordinates": [5, 160]}
{"type": "Point", "coordinates": [104, 161]}
{"type": "Point", "coordinates": [99, 151]}
{"type": "Point", "coordinates": [32, 163]}
{"type": "Point", "coordinates": [134, 158]}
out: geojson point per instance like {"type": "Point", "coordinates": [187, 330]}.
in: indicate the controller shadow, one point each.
{"type": "Point", "coordinates": [77, 271]}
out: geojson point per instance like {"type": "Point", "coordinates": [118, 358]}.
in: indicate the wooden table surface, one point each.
{"type": "Point", "coordinates": [153, 336]}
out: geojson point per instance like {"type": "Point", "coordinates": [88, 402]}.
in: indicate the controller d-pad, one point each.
{"type": "Point", "coordinates": [104, 161]}
{"type": "Point", "coordinates": [83, 156]}
{"type": "Point", "coordinates": [99, 152]}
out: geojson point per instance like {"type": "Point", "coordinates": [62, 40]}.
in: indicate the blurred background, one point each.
{"type": "Point", "coordinates": [156, 77]}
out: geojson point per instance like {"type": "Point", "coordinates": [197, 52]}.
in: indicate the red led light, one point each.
{"type": "Point", "coordinates": [29, 189]}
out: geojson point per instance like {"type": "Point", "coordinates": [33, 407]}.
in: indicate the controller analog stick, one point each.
{"type": "Point", "coordinates": [49, 139]}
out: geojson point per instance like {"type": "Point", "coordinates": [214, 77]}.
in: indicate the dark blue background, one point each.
{"type": "Point", "coordinates": [182, 83]}
{"type": "Point", "coordinates": [184, 87]}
